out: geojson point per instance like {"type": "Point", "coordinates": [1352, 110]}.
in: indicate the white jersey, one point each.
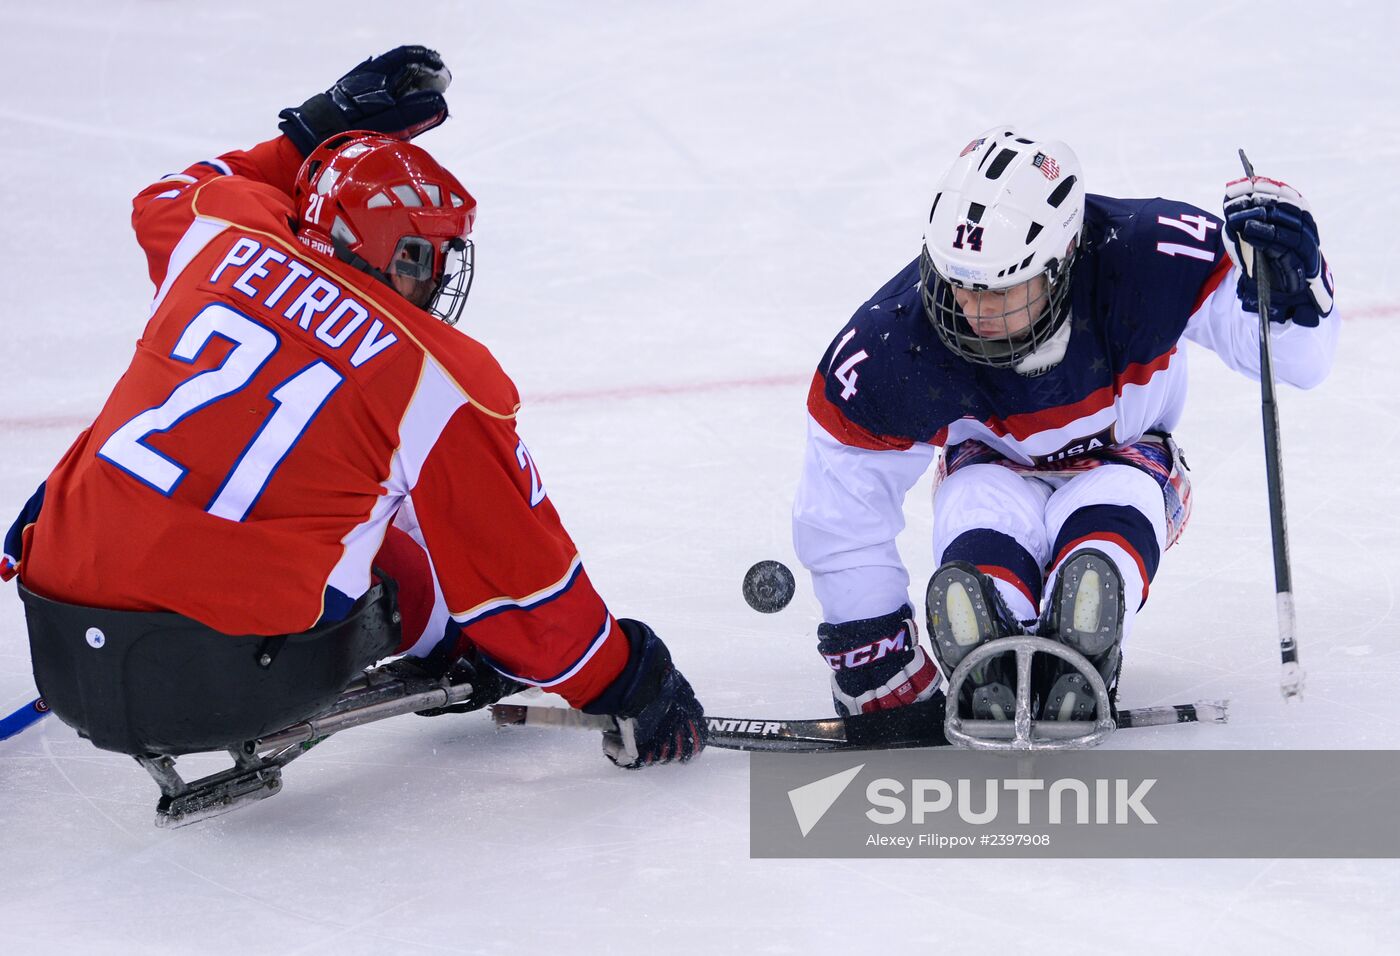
{"type": "Point", "coordinates": [888, 395]}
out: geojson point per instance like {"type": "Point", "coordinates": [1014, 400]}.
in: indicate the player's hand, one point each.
{"type": "Point", "coordinates": [877, 663]}
{"type": "Point", "coordinates": [658, 718]}
{"type": "Point", "coordinates": [1269, 222]}
{"type": "Point", "coordinates": [398, 93]}
{"type": "Point", "coordinates": [466, 667]}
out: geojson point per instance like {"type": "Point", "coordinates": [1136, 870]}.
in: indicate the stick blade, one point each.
{"type": "Point", "coordinates": [1213, 711]}
{"type": "Point", "coordinates": [1291, 682]}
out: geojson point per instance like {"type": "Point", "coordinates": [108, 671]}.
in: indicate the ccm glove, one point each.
{"type": "Point", "coordinates": [877, 663]}
{"type": "Point", "coordinates": [1270, 226]}
{"type": "Point", "coordinates": [398, 94]}
{"type": "Point", "coordinates": [658, 717]}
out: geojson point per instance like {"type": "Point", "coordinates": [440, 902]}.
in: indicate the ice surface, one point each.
{"type": "Point", "coordinates": [680, 204]}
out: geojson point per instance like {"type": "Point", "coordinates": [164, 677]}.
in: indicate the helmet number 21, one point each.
{"type": "Point", "coordinates": [314, 203]}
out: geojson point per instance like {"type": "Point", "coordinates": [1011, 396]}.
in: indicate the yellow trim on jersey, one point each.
{"type": "Point", "coordinates": [506, 601]}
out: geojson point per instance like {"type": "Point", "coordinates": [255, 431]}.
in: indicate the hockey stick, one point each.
{"type": "Point", "coordinates": [1291, 680]}
{"type": "Point", "coordinates": [30, 713]}
{"type": "Point", "coordinates": [918, 725]}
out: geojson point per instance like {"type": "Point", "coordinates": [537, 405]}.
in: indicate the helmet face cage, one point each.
{"type": "Point", "coordinates": [1048, 310]}
{"type": "Point", "coordinates": [435, 280]}
{"type": "Point", "coordinates": [455, 282]}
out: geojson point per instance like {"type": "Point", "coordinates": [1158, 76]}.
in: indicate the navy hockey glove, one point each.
{"type": "Point", "coordinates": [1270, 218]}
{"type": "Point", "coordinates": [658, 717]}
{"type": "Point", "coordinates": [877, 663]}
{"type": "Point", "coordinates": [398, 93]}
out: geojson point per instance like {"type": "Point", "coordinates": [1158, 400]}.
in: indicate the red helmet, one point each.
{"type": "Point", "coordinates": [389, 209]}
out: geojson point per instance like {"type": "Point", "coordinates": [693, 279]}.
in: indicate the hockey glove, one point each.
{"type": "Point", "coordinates": [398, 93]}
{"type": "Point", "coordinates": [457, 662]}
{"type": "Point", "coordinates": [658, 717]}
{"type": "Point", "coordinates": [1270, 218]}
{"type": "Point", "coordinates": [877, 663]}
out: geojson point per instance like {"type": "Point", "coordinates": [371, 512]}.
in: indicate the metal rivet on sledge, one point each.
{"type": "Point", "coordinates": [95, 637]}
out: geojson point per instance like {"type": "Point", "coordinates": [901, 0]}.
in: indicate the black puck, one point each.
{"type": "Point", "coordinates": [769, 586]}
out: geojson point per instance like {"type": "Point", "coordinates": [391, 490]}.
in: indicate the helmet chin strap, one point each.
{"type": "Point", "coordinates": [1048, 355]}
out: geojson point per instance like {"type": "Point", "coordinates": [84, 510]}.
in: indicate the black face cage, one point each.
{"type": "Point", "coordinates": [459, 267]}
{"type": "Point", "coordinates": [941, 307]}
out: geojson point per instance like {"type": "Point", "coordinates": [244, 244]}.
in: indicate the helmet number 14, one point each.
{"type": "Point", "coordinates": [971, 234]}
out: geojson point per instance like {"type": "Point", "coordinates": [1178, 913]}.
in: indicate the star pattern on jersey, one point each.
{"type": "Point", "coordinates": [1098, 365]}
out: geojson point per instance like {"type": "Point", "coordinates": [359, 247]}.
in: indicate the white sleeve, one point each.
{"type": "Point", "coordinates": [848, 511]}
{"type": "Point", "coordinates": [1302, 356]}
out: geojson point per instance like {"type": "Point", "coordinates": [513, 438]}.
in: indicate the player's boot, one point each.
{"type": "Point", "coordinates": [964, 610]}
{"type": "Point", "coordinates": [1085, 612]}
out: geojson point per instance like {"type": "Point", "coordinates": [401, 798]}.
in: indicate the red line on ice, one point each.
{"type": "Point", "coordinates": [669, 388]}
{"type": "Point", "coordinates": [617, 392]}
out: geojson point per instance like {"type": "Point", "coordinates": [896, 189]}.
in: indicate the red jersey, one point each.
{"type": "Point", "coordinates": [281, 409]}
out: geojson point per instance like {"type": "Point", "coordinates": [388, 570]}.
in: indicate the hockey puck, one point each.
{"type": "Point", "coordinates": [769, 587]}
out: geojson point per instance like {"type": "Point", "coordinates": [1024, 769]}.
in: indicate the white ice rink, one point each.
{"type": "Point", "coordinates": [679, 206]}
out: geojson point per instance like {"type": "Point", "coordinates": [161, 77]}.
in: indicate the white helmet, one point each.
{"type": "Point", "coordinates": [1008, 211]}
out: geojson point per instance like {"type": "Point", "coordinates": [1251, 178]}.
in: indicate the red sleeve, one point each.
{"type": "Point", "coordinates": [163, 211]}
{"type": "Point", "coordinates": [511, 575]}
{"type": "Point", "coordinates": [839, 426]}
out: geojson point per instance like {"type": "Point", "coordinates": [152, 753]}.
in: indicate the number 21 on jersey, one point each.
{"type": "Point", "coordinates": [297, 401]}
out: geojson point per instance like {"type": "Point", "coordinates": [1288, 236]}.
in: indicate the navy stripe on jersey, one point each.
{"type": "Point", "coordinates": [1120, 524]}
{"type": "Point", "coordinates": [573, 668]}
{"type": "Point", "coordinates": [1000, 556]}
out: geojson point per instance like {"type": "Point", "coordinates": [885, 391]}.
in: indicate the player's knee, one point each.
{"type": "Point", "coordinates": [990, 497]}
{"type": "Point", "coordinates": [404, 560]}
{"type": "Point", "coordinates": [1121, 487]}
